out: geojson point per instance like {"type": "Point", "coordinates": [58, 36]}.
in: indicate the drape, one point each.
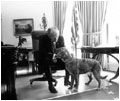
{"type": "Point", "coordinates": [92, 17]}
{"type": "Point", "coordinates": [59, 14]}
{"type": "Point", "coordinates": [72, 30]}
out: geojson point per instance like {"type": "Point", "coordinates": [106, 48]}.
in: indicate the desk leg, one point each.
{"type": "Point", "coordinates": [117, 73]}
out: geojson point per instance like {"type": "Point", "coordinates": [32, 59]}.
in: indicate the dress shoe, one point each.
{"type": "Point", "coordinates": [52, 89]}
{"type": "Point", "coordinates": [31, 81]}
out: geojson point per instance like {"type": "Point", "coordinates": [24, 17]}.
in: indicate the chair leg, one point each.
{"type": "Point", "coordinates": [38, 79]}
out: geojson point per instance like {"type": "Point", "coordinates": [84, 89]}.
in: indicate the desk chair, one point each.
{"type": "Point", "coordinates": [37, 45]}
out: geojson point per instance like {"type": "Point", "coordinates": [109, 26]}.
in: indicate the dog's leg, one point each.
{"type": "Point", "coordinates": [97, 76]}
{"type": "Point", "coordinates": [72, 82]}
{"type": "Point", "coordinates": [90, 79]}
{"type": "Point", "coordinates": [76, 82]}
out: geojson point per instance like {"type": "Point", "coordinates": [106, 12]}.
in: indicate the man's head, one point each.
{"type": "Point", "coordinates": [53, 33]}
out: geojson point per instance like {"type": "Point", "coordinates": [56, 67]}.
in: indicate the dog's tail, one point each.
{"type": "Point", "coordinates": [103, 77]}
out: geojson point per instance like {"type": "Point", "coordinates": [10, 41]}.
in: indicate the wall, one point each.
{"type": "Point", "coordinates": [11, 10]}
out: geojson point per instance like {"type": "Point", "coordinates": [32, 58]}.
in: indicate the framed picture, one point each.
{"type": "Point", "coordinates": [23, 26]}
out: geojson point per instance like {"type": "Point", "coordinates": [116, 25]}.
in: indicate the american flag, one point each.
{"type": "Point", "coordinates": [75, 39]}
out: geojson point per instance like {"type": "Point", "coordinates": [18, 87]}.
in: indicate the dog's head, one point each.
{"type": "Point", "coordinates": [63, 54]}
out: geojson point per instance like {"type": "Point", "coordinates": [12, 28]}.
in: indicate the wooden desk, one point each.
{"type": "Point", "coordinates": [103, 50]}
{"type": "Point", "coordinates": [8, 68]}
{"type": "Point", "coordinates": [23, 57]}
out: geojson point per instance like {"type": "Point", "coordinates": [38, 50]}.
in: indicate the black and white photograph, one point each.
{"type": "Point", "coordinates": [60, 50]}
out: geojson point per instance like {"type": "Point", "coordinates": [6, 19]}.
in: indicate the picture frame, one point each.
{"type": "Point", "coordinates": [23, 26]}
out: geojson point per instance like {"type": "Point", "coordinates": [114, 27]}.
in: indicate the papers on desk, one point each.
{"type": "Point", "coordinates": [107, 45]}
{"type": "Point", "coordinates": [100, 46]}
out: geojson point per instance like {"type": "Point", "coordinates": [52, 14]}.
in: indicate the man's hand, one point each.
{"type": "Point", "coordinates": [54, 59]}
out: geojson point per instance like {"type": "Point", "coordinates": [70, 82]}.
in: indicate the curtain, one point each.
{"type": "Point", "coordinates": [59, 14]}
{"type": "Point", "coordinates": [72, 30]}
{"type": "Point", "coordinates": [92, 17]}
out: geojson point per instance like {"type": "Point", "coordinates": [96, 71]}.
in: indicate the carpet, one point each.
{"type": "Point", "coordinates": [106, 93]}
{"type": "Point", "coordinates": [39, 90]}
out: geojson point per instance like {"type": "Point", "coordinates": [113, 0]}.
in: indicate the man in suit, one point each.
{"type": "Point", "coordinates": [46, 54]}
{"type": "Point", "coordinates": [51, 41]}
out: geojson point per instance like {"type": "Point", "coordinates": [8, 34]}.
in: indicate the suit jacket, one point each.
{"type": "Point", "coordinates": [46, 47]}
{"type": "Point", "coordinates": [60, 42]}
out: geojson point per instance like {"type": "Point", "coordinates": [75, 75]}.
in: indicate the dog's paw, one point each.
{"type": "Point", "coordinates": [68, 91]}
{"type": "Point", "coordinates": [75, 89]}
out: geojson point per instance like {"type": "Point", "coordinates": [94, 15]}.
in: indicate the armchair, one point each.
{"type": "Point", "coordinates": [37, 46]}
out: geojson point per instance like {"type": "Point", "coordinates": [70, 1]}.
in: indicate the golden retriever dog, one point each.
{"type": "Point", "coordinates": [80, 66]}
